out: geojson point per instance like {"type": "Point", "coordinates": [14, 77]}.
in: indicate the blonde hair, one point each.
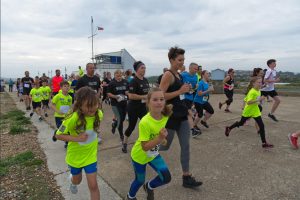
{"type": "Point", "coordinates": [167, 110]}
{"type": "Point", "coordinates": [118, 71]}
{"type": "Point", "coordinates": [251, 83]}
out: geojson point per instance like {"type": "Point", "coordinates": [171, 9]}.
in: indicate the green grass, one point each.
{"type": "Point", "coordinates": [18, 129]}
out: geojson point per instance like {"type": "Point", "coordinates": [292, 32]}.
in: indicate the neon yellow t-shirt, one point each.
{"type": "Point", "coordinates": [70, 90]}
{"type": "Point", "coordinates": [80, 154]}
{"type": "Point", "coordinates": [36, 94]}
{"type": "Point", "coordinates": [81, 72]}
{"type": "Point", "coordinates": [252, 110]}
{"type": "Point", "coordinates": [148, 130]}
{"type": "Point", "coordinates": [62, 103]}
{"type": "Point", "coordinates": [46, 91]}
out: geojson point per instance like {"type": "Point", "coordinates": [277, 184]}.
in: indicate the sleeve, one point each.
{"type": "Point", "coordinates": [144, 132]}
{"type": "Point", "coordinates": [267, 75]}
{"type": "Point", "coordinates": [54, 100]}
{"type": "Point", "coordinates": [67, 125]}
{"type": "Point", "coordinates": [100, 113]}
{"type": "Point", "coordinates": [79, 84]}
{"type": "Point", "coordinates": [132, 87]}
{"type": "Point", "coordinates": [110, 88]}
{"type": "Point", "coordinates": [200, 86]}
{"type": "Point", "coordinates": [251, 96]}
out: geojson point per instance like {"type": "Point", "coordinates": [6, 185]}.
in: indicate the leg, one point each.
{"type": "Point", "coordinates": [164, 175]}
{"type": "Point", "coordinates": [184, 141]}
{"type": "Point", "coordinates": [240, 123]}
{"type": "Point", "coordinates": [199, 108]}
{"type": "Point", "coordinates": [93, 186]}
{"type": "Point", "coordinates": [229, 95]}
{"type": "Point", "coordinates": [122, 114]}
{"type": "Point", "coordinates": [133, 117]}
{"type": "Point", "coordinates": [275, 104]}
{"type": "Point", "coordinates": [209, 111]}
{"type": "Point", "coordinates": [140, 171]}
{"type": "Point", "coordinates": [261, 126]}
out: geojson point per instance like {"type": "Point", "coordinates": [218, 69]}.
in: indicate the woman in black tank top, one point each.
{"type": "Point", "coordinates": [228, 90]}
{"type": "Point", "coordinates": [171, 83]}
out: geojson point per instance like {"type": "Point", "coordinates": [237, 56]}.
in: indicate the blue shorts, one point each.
{"type": "Point", "coordinates": [89, 169]}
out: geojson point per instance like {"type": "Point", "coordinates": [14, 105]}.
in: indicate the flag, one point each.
{"type": "Point", "coordinates": [100, 28]}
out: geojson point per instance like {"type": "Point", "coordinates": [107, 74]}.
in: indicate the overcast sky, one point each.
{"type": "Point", "coordinates": [42, 35]}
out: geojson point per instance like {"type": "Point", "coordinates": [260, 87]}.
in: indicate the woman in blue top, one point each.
{"type": "Point", "coordinates": [201, 100]}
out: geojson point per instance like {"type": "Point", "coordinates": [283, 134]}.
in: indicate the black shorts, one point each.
{"type": "Point", "coordinates": [188, 103]}
{"type": "Point", "coordinates": [36, 105]}
{"type": "Point", "coordinates": [206, 106]}
{"type": "Point", "coordinates": [45, 102]}
{"type": "Point", "coordinates": [272, 93]}
{"type": "Point", "coordinates": [26, 91]}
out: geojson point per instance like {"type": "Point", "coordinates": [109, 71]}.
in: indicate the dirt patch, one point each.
{"type": "Point", "coordinates": [23, 170]}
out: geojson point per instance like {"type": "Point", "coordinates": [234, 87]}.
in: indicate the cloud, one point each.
{"type": "Point", "coordinates": [44, 35]}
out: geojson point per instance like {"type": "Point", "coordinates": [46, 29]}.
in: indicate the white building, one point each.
{"type": "Point", "coordinates": [109, 62]}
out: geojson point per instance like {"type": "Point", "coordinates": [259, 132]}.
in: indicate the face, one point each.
{"type": "Point", "coordinates": [261, 73]}
{"type": "Point", "coordinates": [206, 75]}
{"type": "Point", "coordinates": [44, 83]}
{"type": "Point", "coordinates": [27, 73]}
{"type": "Point", "coordinates": [108, 75]}
{"type": "Point", "coordinates": [118, 76]}
{"type": "Point", "coordinates": [89, 110]}
{"type": "Point", "coordinates": [273, 65]}
{"type": "Point", "coordinates": [178, 62]}
{"type": "Point", "coordinates": [258, 83]}
{"type": "Point", "coordinates": [57, 72]}
{"type": "Point", "coordinates": [193, 69]}
{"type": "Point", "coordinates": [232, 73]}
{"type": "Point", "coordinates": [65, 88]}
{"type": "Point", "coordinates": [90, 69]}
{"type": "Point", "coordinates": [157, 101]}
{"type": "Point", "coordinates": [141, 70]}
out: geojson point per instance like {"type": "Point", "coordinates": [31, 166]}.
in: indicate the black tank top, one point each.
{"type": "Point", "coordinates": [230, 81]}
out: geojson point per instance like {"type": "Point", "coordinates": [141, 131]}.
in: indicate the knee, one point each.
{"type": "Point", "coordinates": [93, 186]}
{"type": "Point", "coordinates": [76, 179]}
{"type": "Point", "coordinates": [278, 101]}
{"type": "Point", "coordinates": [166, 175]}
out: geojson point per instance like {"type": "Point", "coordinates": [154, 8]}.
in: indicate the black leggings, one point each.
{"type": "Point", "coordinates": [229, 95]}
{"type": "Point", "coordinates": [258, 120]}
{"type": "Point", "coordinates": [199, 107]}
{"type": "Point", "coordinates": [134, 113]}
{"type": "Point", "coordinates": [120, 112]}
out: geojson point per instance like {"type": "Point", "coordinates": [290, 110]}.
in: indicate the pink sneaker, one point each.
{"type": "Point", "coordinates": [293, 141]}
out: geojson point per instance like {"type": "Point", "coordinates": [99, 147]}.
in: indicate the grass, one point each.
{"type": "Point", "coordinates": [18, 129]}
{"type": "Point", "coordinates": [16, 120]}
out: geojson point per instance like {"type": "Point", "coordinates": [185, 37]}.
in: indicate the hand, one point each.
{"type": "Point", "coordinates": [163, 134]}
{"type": "Point", "coordinates": [277, 79]}
{"type": "Point", "coordinates": [184, 88]}
{"type": "Point", "coordinates": [261, 98]}
{"type": "Point", "coordinates": [82, 137]}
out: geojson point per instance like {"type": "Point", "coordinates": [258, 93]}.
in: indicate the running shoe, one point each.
{"type": "Point", "coordinates": [40, 119]}
{"type": "Point", "coordinates": [99, 140]}
{"type": "Point", "coordinates": [128, 198]}
{"type": "Point", "coordinates": [54, 139]}
{"type": "Point", "coordinates": [66, 145]}
{"type": "Point", "coordinates": [124, 148]}
{"type": "Point", "coordinates": [46, 115]}
{"type": "Point", "coordinates": [149, 192]}
{"type": "Point", "coordinates": [114, 124]}
{"type": "Point", "coordinates": [227, 131]}
{"type": "Point", "coordinates": [204, 124]}
{"type": "Point", "coordinates": [227, 111]}
{"type": "Point", "coordinates": [220, 105]}
{"type": "Point", "coordinates": [31, 114]}
{"type": "Point", "coordinates": [267, 145]}
{"type": "Point", "coordinates": [272, 117]}
{"type": "Point", "coordinates": [293, 141]}
{"type": "Point", "coordinates": [195, 132]}
{"type": "Point", "coordinates": [73, 188]}
{"type": "Point", "coordinates": [190, 182]}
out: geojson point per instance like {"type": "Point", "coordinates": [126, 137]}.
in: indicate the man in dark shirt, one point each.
{"type": "Point", "coordinates": [159, 78]}
{"type": "Point", "coordinates": [27, 86]}
{"type": "Point", "coordinates": [89, 79]}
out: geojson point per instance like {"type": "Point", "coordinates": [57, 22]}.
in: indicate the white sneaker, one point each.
{"type": "Point", "coordinates": [99, 140]}
{"type": "Point", "coordinates": [73, 188]}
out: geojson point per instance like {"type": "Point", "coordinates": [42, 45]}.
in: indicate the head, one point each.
{"type": "Point", "coordinates": [90, 69]}
{"type": "Point", "coordinates": [176, 57]}
{"type": "Point", "coordinates": [57, 72]}
{"type": "Point", "coordinates": [36, 83]}
{"type": "Point", "coordinates": [108, 75]}
{"type": "Point", "coordinates": [271, 63]}
{"type": "Point", "coordinates": [27, 73]}
{"type": "Point", "coordinates": [193, 68]}
{"type": "Point", "coordinates": [64, 86]}
{"type": "Point", "coordinates": [118, 75]}
{"type": "Point", "coordinates": [205, 75]}
{"type": "Point", "coordinates": [140, 68]}
{"type": "Point", "coordinates": [258, 72]}
{"type": "Point", "coordinates": [128, 72]}
{"type": "Point", "coordinates": [231, 72]}
{"type": "Point", "coordinates": [44, 82]}
{"type": "Point", "coordinates": [199, 69]}
{"type": "Point", "coordinates": [86, 104]}
{"type": "Point", "coordinates": [255, 82]}
{"type": "Point", "coordinates": [156, 102]}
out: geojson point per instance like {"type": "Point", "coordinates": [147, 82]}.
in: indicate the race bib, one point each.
{"type": "Point", "coordinates": [205, 98]}
{"type": "Point", "coordinates": [92, 135]}
{"type": "Point", "coordinates": [181, 97]}
{"type": "Point", "coordinates": [153, 152]}
{"type": "Point", "coordinates": [64, 109]}
{"type": "Point", "coordinates": [26, 85]}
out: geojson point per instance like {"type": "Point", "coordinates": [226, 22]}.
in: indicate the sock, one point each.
{"type": "Point", "coordinates": [148, 185]}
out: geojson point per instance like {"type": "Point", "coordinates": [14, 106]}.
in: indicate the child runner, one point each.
{"type": "Point", "coordinates": [46, 92]}
{"type": "Point", "coordinates": [293, 137]}
{"type": "Point", "coordinates": [251, 110]}
{"type": "Point", "coordinates": [228, 89]}
{"type": "Point", "coordinates": [201, 100]}
{"type": "Point", "coordinates": [61, 104]}
{"type": "Point", "coordinates": [36, 96]}
{"type": "Point", "coordinates": [80, 129]}
{"type": "Point", "coordinates": [145, 151]}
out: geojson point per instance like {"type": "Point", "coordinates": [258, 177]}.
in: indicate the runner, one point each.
{"type": "Point", "coordinates": [138, 90]}
{"type": "Point", "coordinates": [56, 80]}
{"type": "Point", "coordinates": [117, 90]}
{"type": "Point", "coordinates": [46, 93]}
{"type": "Point", "coordinates": [201, 100]}
{"type": "Point", "coordinates": [19, 89]}
{"type": "Point", "coordinates": [27, 86]}
{"type": "Point", "coordinates": [251, 110]}
{"type": "Point", "coordinates": [269, 90]}
{"type": "Point", "coordinates": [171, 84]}
{"type": "Point", "coordinates": [228, 89]}
{"type": "Point", "coordinates": [80, 129]}
{"type": "Point", "coordinates": [61, 104]}
{"type": "Point", "coordinates": [10, 85]}
{"type": "Point", "coordinates": [160, 76]}
{"type": "Point", "coordinates": [152, 134]}
{"type": "Point", "coordinates": [191, 79]}
{"type": "Point", "coordinates": [36, 97]}
{"type": "Point", "coordinates": [293, 138]}
{"type": "Point", "coordinates": [105, 83]}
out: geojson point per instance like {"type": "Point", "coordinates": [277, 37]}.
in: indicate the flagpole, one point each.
{"type": "Point", "coordinates": [92, 32]}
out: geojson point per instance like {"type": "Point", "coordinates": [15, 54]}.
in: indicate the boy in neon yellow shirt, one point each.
{"type": "Point", "coordinates": [46, 93]}
{"type": "Point", "coordinates": [36, 96]}
{"type": "Point", "coordinates": [80, 129]}
{"type": "Point", "coordinates": [251, 110]}
{"type": "Point", "coordinates": [61, 104]}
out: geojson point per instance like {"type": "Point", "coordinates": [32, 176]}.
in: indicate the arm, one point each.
{"type": "Point", "coordinates": [261, 98]}
{"type": "Point", "coordinates": [227, 78]}
{"type": "Point", "coordinates": [132, 96]}
{"type": "Point", "coordinates": [52, 105]}
{"type": "Point", "coordinates": [147, 145]}
{"type": "Point", "coordinates": [82, 137]}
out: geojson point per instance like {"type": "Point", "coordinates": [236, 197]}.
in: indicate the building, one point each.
{"type": "Point", "coordinates": [218, 75]}
{"type": "Point", "coordinates": [110, 62]}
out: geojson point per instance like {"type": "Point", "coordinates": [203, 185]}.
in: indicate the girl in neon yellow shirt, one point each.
{"type": "Point", "coordinates": [251, 110]}
{"type": "Point", "coordinates": [152, 134]}
{"type": "Point", "coordinates": [80, 129]}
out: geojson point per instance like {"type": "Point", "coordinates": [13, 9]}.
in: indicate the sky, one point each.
{"type": "Point", "coordinates": [41, 36]}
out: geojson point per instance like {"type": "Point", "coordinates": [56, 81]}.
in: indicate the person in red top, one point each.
{"type": "Point", "coordinates": [56, 82]}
